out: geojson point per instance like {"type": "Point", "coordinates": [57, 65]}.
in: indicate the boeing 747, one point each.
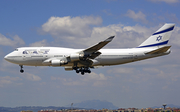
{"type": "Point", "coordinates": [81, 60]}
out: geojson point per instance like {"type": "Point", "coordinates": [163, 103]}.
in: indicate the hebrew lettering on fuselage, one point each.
{"type": "Point", "coordinates": [30, 52]}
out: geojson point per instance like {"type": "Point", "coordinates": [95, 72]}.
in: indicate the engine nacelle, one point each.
{"type": "Point", "coordinates": [59, 62]}
{"type": "Point", "coordinates": [76, 56]}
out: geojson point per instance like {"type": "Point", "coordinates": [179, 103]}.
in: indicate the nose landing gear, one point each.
{"type": "Point", "coordinates": [21, 70]}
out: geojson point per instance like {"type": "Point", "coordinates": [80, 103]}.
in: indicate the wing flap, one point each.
{"type": "Point", "coordinates": [94, 55]}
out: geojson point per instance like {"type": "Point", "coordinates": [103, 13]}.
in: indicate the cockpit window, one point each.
{"type": "Point", "coordinates": [16, 49]}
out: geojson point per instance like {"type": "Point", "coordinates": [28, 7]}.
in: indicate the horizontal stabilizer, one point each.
{"type": "Point", "coordinates": [159, 50]}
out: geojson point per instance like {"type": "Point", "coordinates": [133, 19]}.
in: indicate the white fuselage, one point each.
{"type": "Point", "coordinates": [82, 60]}
{"type": "Point", "coordinates": [37, 56]}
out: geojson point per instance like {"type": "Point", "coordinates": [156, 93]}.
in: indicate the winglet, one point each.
{"type": "Point", "coordinates": [109, 39]}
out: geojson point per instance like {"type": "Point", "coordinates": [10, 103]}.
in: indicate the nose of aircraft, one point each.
{"type": "Point", "coordinates": [8, 58]}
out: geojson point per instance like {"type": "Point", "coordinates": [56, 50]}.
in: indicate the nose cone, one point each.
{"type": "Point", "coordinates": [8, 58]}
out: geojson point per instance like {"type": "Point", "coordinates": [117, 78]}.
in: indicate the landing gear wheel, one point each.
{"type": "Point", "coordinates": [89, 71]}
{"type": "Point", "coordinates": [82, 73]}
{"type": "Point", "coordinates": [77, 71]}
{"type": "Point", "coordinates": [21, 71]}
{"type": "Point", "coordinates": [82, 70]}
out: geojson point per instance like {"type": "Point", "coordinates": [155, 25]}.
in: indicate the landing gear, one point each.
{"type": "Point", "coordinates": [83, 70]}
{"type": "Point", "coordinates": [21, 70]}
{"type": "Point", "coordinates": [77, 71]}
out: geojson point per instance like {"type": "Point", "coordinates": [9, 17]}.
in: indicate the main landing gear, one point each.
{"type": "Point", "coordinates": [21, 70]}
{"type": "Point", "coordinates": [82, 70]}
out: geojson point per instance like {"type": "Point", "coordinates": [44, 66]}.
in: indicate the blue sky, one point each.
{"type": "Point", "coordinates": [80, 24]}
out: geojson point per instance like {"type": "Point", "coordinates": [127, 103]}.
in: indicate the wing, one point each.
{"type": "Point", "coordinates": [83, 58]}
{"type": "Point", "coordinates": [98, 46]}
{"type": "Point", "coordinates": [92, 52]}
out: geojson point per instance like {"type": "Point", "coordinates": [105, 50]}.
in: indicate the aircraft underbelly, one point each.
{"type": "Point", "coordinates": [127, 59]}
{"type": "Point", "coordinates": [114, 61]}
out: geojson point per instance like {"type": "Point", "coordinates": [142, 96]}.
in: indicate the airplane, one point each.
{"type": "Point", "coordinates": [81, 60]}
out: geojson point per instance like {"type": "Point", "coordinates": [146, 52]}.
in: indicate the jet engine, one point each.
{"type": "Point", "coordinates": [59, 62]}
{"type": "Point", "coordinates": [76, 56]}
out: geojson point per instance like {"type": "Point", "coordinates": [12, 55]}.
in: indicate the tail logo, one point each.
{"type": "Point", "coordinates": [159, 38]}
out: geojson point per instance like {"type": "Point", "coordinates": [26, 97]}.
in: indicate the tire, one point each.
{"type": "Point", "coordinates": [21, 71]}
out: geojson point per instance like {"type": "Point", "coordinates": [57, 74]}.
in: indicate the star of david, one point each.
{"type": "Point", "coordinates": [159, 38]}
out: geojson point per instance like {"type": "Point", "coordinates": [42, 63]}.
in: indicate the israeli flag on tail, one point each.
{"type": "Point", "coordinates": [160, 37]}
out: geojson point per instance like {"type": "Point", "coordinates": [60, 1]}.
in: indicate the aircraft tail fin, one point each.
{"type": "Point", "coordinates": [160, 37]}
